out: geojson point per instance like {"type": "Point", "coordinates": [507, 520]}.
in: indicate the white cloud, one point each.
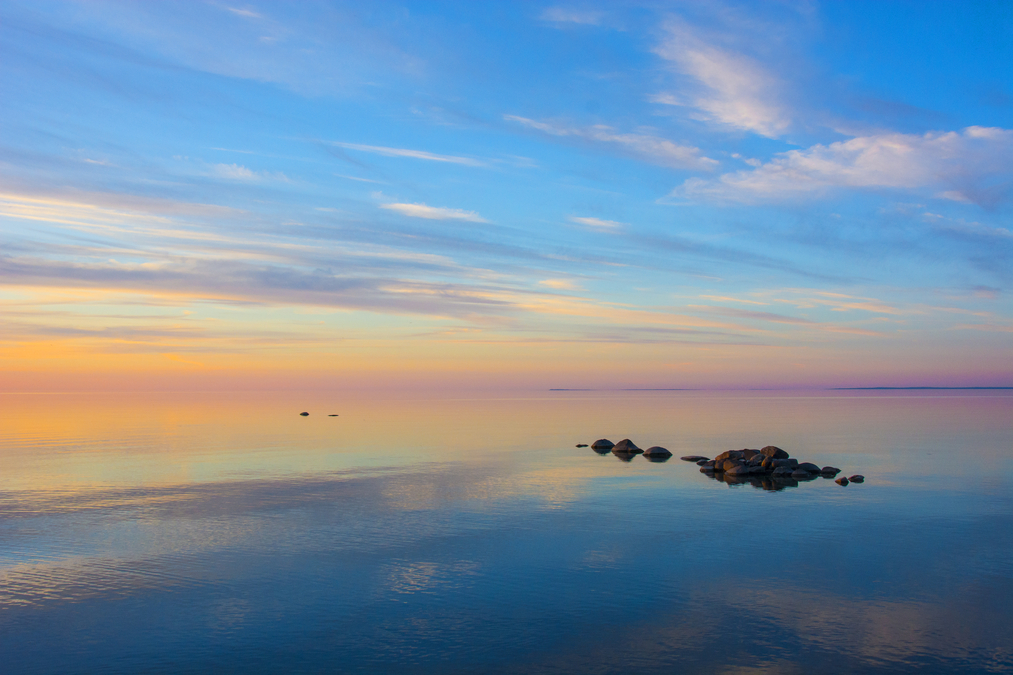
{"type": "Point", "coordinates": [434, 212]}
{"type": "Point", "coordinates": [955, 165]}
{"type": "Point", "coordinates": [565, 15]}
{"type": "Point", "coordinates": [646, 146]}
{"type": "Point", "coordinates": [732, 89]}
{"type": "Point", "coordinates": [598, 223]}
{"type": "Point", "coordinates": [414, 154]}
{"type": "Point", "coordinates": [241, 173]}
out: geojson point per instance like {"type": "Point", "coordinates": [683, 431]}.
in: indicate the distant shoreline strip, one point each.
{"type": "Point", "coordinates": [910, 388]}
{"type": "Point", "coordinates": [828, 389]}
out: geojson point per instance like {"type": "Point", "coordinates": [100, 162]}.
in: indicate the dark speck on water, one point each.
{"type": "Point", "coordinates": [304, 414]}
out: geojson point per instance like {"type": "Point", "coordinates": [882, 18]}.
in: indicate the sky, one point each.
{"type": "Point", "coordinates": [505, 195]}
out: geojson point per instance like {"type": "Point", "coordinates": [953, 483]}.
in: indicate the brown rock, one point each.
{"type": "Point", "coordinates": [774, 452]}
{"type": "Point", "coordinates": [626, 446]}
{"type": "Point", "coordinates": [603, 444]}
{"type": "Point", "coordinates": [657, 451]}
{"type": "Point", "coordinates": [841, 481]}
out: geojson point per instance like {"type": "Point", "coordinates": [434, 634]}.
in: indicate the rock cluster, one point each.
{"type": "Point", "coordinates": [769, 468]}
{"type": "Point", "coordinates": [626, 450]}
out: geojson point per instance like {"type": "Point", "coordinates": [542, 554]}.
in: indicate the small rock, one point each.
{"type": "Point", "coordinates": [830, 471]}
{"type": "Point", "coordinates": [730, 454]}
{"type": "Point", "coordinates": [808, 466]}
{"type": "Point", "coordinates": [694, 458]}
{"type": "Point", "coordinates": [857, 478]}
{"type": "Point", "coordinates": [626, 446]}
{"type": "Point", "coordinates": [774, 452]}
{"type": "Point", "coordinates": [748, 453]}
{"type": "Point", "coordinates": [756, 460]}
{"type": "Point", "coordinates": [740, 470]}
{"type": "Point", "coordinates": [602, 444]}
{"type": "Point", "coordinates": [657, 451]}
{"type": "Point", "coordinates": [841, 481]}
{"type": "Point", "coordinates": [304, 414]}
{"type": "Point", "coordinates": [332, 415]}
{"type": "Point", "coordinates": [582, 445]}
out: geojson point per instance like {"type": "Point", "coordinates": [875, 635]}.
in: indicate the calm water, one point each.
{"type": "Point", "coordinates": [205, 533]}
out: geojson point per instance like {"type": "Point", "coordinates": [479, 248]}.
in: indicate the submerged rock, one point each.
{"type": "Point", "coordinates": [603, 444]}
{"type": "Point", "coordinates": [582, 445]}
{"type": "Point", "coordinates": [627, 446]}
{"type": "Point", "coordinates": [657, 451]}
{"type": "Point", "coordinates": [304, 414]}
{"type": "Point", "coordinates": [694, 458]}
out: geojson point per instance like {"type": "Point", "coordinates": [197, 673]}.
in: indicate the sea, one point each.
{"type": "Point", "coordinates": [467, 533]}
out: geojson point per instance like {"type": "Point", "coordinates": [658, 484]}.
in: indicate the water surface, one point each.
{"type": "Point", "coordinates": [207, 532]}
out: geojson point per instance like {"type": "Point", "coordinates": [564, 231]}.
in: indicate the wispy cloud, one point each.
{"type": "Point", "coordinates": [434, 212]}
{"type": "Point", "coordinates": [560, 284]}
{"type": "Point", "coordinates": [964, 227]}
{"type": "Point", "coordinates": [730, 88]}
{"type": "Point", "coordinates": [587, 17]}
{"type": "Point", "coordinates": [973, 165]}
{"type": "Point", "coordinates": [239, 172]}
{"type": "Point", "coordinates": [406, 152]}
{"type": "Point", "coordinates": [598, 223]}
{"type": "Point", "coordinates": [642, 145]}
{"type": "Point", "coordinates": [248, 13]}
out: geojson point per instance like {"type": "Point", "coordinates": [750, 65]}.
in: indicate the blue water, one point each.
{"type": "Point", "coordinates": [210, 533]}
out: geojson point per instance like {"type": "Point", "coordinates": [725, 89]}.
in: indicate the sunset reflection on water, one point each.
{"type": "Point", "coordinates": [167, 532]}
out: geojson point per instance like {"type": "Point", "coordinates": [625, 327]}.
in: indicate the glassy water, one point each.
{"type": "Point", "coordinates": [192, 533]}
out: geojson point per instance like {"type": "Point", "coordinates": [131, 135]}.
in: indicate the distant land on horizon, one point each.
{"type": "Point", "coordinates": [753, 389]}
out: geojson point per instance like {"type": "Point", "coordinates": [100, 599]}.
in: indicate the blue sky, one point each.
{"type": "Point", "coordinates": [530, 194]}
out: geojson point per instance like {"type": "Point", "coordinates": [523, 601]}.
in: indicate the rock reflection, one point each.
{"type": "Point", "coordinates": [772, 483]}
{"type": "Point", "coordinates": [657, 459]}
{"type": "Point", "coordinates": [624, 456]}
